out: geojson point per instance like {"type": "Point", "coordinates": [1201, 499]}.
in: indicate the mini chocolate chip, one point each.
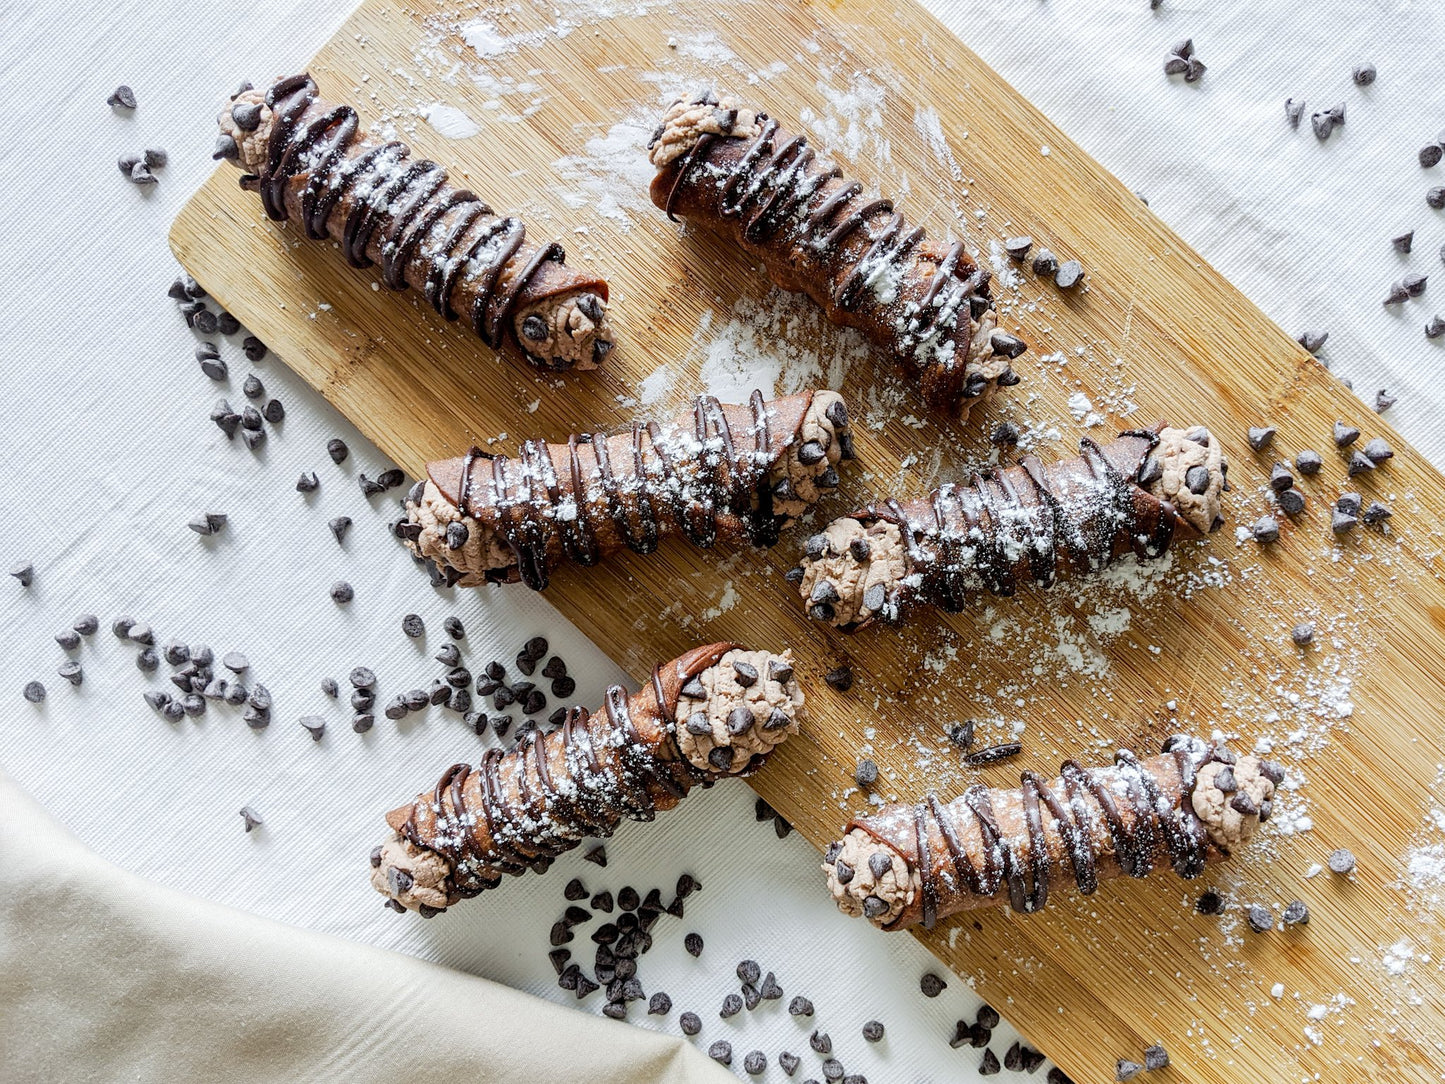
{"type": "Point", "coordinates": [1397, 294]}
{"type": "Point", "coordinates": [1291, 502]}
{"type": "Point", "coordinates": [931, 984]}
{"type": "Point", "coordinates": [1430, 155]}
{"type": "Point", "coordinates": [770, 990]}
{"type": "Point", "coordinates": [1296, 913]}
{"type": "Point", "coordinates": [840, 679]}
{"type": "Point", "coordinates": [1045, 262]}
{"type": "Point", "coordinates": [1377, 450]}
{"type": "Point", "coordinates": [1363, 75]}
{"type": "Point", "coordinates": [731, 1006]}
{"type": "Point", "coordinates": [800, 1006]}
{"type": "Point", "coordinates": [1018, 247]}
{"type": "Point", "coordinates": [454, 628]}
{"type": "Point", "coordinates": [721, 1051]}
{"type": "Point", "coordinates": [1155, 1058]}
{"type": "Point", "coordinates": [1261, 437]}
{"type": "Point", "coordinates": [1376, 513]}
{"type": "Point", "coordinates": [820, 1041]}
{"type": "Point", "coordinates": [342, 592]}
{"type": "Point", "coordinates": [788, 1062]}
{"type": "Point", "coordinates": [993, 754]}
{"type": "Point", "coordinates": [990, 1066]}
{"type": "Point", "coordinates": [1341, 861]}
{"type": "Point", "coordinates": [1124, 1070]}
{"type": "Point", "coordinates": [1414, 284]}
{"type": "Point", "coordinates": [1261, 918]}
{"type": "Point", "coordinates": [1209, 903]}
{"type": "Point", "coordinates": [1293, 110]}
{"type": "Point", "coordinates": [251, 818]}
{"type": "Point", "coordinates": [1265, 529]}
{"type": "Point", "coordinates": [866, 774]}
{"type": "Point", "coordinates": [1069, 275]}
{"type": "Point", "coordinates": [1302, 634]}
{"type": "Point", "coordinates": [873, 1031]}
{"type": "Point", "coordinates": [1434, 328]}
{"type": "Point", "coordinates": [597, 855]}
{"type": "Point", "coordinates": [35, 692]}
{"type": "Point", "coordinates": [336, 448]}
{"type": "Point", "coordinates": [690, 1023]}
{"type": "Point", "coordinates": [1280, 478]}
{"type": "Point", "coordinates": [1402, 242]}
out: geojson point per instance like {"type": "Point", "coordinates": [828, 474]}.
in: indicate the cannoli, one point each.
{"type": "Point", "coordinates": [735, 170]}
{"type": "Point", "coordinates": [717, 711]}
{"type": "Point", "coordinates": [717, 472]}
{"type": "Point", "coordinates": [1192, 804]}
{"type": "Point", "coordinates": [1022, 524]}
{"type": "Point", "coordinates": [308, 158]}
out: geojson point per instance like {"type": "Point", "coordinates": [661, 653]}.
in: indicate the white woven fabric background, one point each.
{"type": "Point", "coordinates": [107, 452]}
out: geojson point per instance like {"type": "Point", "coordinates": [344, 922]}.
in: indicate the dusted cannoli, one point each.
{"type": "Point", "coordinates": [717, 711]}
{"type": "Point", "coordinates": [735, 170]}
{"type": "Point", "coordinates": [718, 472]}
{"type": "Point", "coordinates": [308, 158]}
{"type": "Point", "coordinates": [1192, 804]}
{"type": "Point", "coordinates": [1023, 524]}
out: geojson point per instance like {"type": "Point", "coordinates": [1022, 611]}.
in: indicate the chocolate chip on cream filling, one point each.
{"type": "Point", "coordinates": [685, 122]}
{"type": "Point", "coordinates": [413, 876]}
{"type": "Point", "coordinates": [1187, 468]}
{"type": "Point", "coordinates": [870, 879]}
{"type": "Point", "coordinates": [740, 707]}
{"type": "Point", "coordinates": [851, 571]}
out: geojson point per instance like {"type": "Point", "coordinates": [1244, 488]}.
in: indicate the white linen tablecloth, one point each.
{"type": "Point", "coordinates": [107, 452]}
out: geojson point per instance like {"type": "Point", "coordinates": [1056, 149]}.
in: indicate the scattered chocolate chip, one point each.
{"type": "Point", "coordinates": [1280, 478]}
{"type": "Point", "coordinates": [820, 1042]}
{"type": "Point", "coordinates": [1430, 155]}
{"type": "Point", "coordinates": [993, 754]}
{"type": "Point", "coordinates": [721, 1051]}
{"type": "Point", "coordinates": [34, 692]}
{"type": "Point", "coordinates": [840, 679]}
{"type": "Point", "coordinates": [1359, 463]}
{"type": "Point", "coordinates": [71, 672]}
{"type": "Point", "coordinates": [756, 1062]}
{"type": "Point", "coordinates": [800, 1006]}
{"type": "Point", "coordinates": [342, 592]}
{"type": "Point", "coordinates": [597, 855]}
{"type": "Point", "coordinates": [251, 818]}
{"type": "Point", "coordinates": [315, 725]}
{"type": "Point", "coordinates": [1312, 341]}
{"type": "Point", "coordinates": [69, 639]}
{"type": "Point", "coordinates": [1294, 109]}
{"type": "Point", "coordinates": [931, 984]}
{"type": "Point", "coordinates": [1045, 262]}
{"type": "Point", "coordinates": [1069, 275]}
{"type": "Point", "coordinates": [866, 774]}
{"type": "Point", "coordinates": [690, 1023]}
{"type": "Point", "coordinates": [1155, 1058]}
{"type": "Point", "coordinates": [1434, 328]}
{"type": "Point", "coordinates": [1402, 242]}
{"type": "Point", "coordinates": [122, 97]}
{"type": "Point", "coordinates": [1261, 918]}
{"type": "Point", "coordinates": [1341, 861]}
{"type": "Point", "coordinates": [1291, 502]}
{"type": "Point", "coordinates": [1377, 451]}
{"type": "Point", "coordinates": [990, 1066]}
{"type": "Point", "coordinates": [1261, 437]}
{"type": "Point", "coordinates": [255, 350]}
{"type": "Point", "coordinates": [338, 451]}
{"type": "Point", "coordinates": [1363, 75]}
{"type": "Point", "coordinates": [1209, 902]}
{"type": "Point", "coordinates": [1296, 913]}
{"type": "Point", "coordinates": [1376, 513]}
{"type": "Point", "coordinates": [1397, 294]}
{"type": "Point", "coordinates": [873, 1031]}
{"type": "Point", "coordinates": [1018, 247]}
{"type": "Point", "coordinates": [659, 1004]}
{"type": "Point", "coordinates": [1265, 530]}
{"type": "Point", "coordinates": [788, 1062]}
{"type": "Point", "coordinates": [1124, 1069]}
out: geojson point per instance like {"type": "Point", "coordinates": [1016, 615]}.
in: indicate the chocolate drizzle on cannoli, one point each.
{"type": "Point", "coordinates": [806, 222]}
{"type": "Point", "coordinates": [422, 226]}
{"type": "Point", "coordinates": [1025, 523]}
{"type": "Point", "coordinates": [519, 810]}
{"type": "Point", "coordinates": [1130, 817]}
{"type": "Point", "coordinates": [720, 470]}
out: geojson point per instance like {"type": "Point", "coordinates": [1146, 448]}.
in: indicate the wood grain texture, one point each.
{"type": "Point", "coordinates": [1157, 333]}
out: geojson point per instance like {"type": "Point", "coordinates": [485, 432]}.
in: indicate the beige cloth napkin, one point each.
{"type": "Point", "coordinates": [106, 977]}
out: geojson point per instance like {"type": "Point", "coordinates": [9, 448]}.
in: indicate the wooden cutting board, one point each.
{"type": "Point", "coordinates": [562, 97]}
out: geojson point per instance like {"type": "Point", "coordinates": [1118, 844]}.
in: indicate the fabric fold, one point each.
{"type": "Point", "coordinates": [108, 977]}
